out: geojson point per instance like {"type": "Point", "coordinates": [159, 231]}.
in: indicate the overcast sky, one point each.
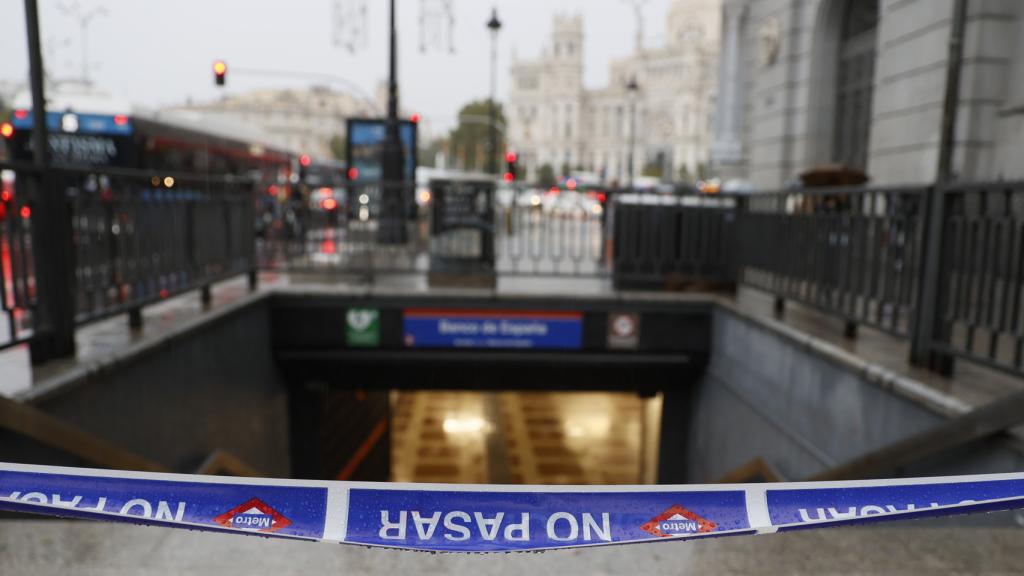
{"type": "Point", "coordinates": [155, 52]}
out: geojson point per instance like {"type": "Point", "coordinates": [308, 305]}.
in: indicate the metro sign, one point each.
{"type": "Point", "coordinates": [678, 521]}
{"type": "Point", "coordinates": [253, 515]}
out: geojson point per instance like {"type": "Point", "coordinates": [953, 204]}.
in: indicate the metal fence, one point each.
{"type": "Point", "coordinates": [17, 264]}
{"type": "Point", "coordinates": [135, 238]}
{"type": "Point", "coordinates": [977, 281]}
{"type": "Point", "coordinates": [942, 266]}
{"type": "Point", "coordinates": [139, 238]}
{"type": "Point", "coordinates": [340, 231]}
{"type": "Point", "coordinates": [852, 252]}
{"type": "Point", "coordinates": [667, 241]}
{"type": "Point", "coordinates": [530, 232]}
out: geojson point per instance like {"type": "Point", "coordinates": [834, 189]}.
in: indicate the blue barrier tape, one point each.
{"type": "Point", "coordinates": [480, 518]}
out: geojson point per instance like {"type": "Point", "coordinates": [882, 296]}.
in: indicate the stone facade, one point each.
{"type": "Point", "coordinates": [301, 120]}
{"type": "Point", "coordinates": [554, 119]}
{"type": "Point", "coordinates": [785, 68]}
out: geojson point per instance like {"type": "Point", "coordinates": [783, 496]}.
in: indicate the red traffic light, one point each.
{"type": "Point", "coordinates": [415, 118]}
{"type": "Point", "coordinates": [509, 177]}
{"type": "Point", "coordinates": [220, 72]}
{"type": "Point", "coordinates": [305, 160]}
{"type": "Point", "coordinates": [511, 157]}
{"type": "Point", "coordinates": [353, 173]}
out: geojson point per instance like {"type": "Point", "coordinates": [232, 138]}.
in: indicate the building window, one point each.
{"type": "Point", "coordinates": [855, 83]}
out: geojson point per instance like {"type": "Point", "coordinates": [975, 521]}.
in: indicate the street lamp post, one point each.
{"type": "Point", "coordinates": [494, 25]}
{"type": "Point", "coordinates": [633, 88]}
{"type": "Point", "coordinates": [392, 222]}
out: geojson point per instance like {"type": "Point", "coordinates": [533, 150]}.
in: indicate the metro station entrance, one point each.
{"type": "Point", "coordinates": [579, 400]}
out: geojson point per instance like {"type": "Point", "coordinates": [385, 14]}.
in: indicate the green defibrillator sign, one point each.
{"type": "Point", "coordinates": [362, 328]}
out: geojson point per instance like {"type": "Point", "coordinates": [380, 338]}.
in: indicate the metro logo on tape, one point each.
{"type": "Point", "coordinates": [677, 521]}
{"type": "Point", "coordinates": [428, 520]}
{"type": "Point", "coordinates": [862, 503]}
{"type": "Point", "coordinates": [253, 515]}
{"type": "Point", "coordinates": [296, 511]}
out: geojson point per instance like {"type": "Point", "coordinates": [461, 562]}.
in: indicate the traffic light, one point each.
{"type": "Point", "coordinates": [304, 161]}
{"type": "Point", "coordinates": [220, 72]}
{"type": "Point", "coordinates": [510, 166]}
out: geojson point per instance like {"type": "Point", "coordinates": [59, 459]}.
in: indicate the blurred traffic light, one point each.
{"type": "Point", "coordinates": [220, 72]}
{"type": "Point", "coordinates": [304, 161]}
{"type": "Point", "coordinates": [511, 173]}
{"type": "Point", "coordinates": [6, 130]}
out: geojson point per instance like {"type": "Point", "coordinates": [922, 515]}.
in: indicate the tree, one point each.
{"type": "Point", "coordinates": [546, 176]}
{"type": "Point", "coordinates": [338, 150]}
{"type": "Point", "coordinates": [428, 153]}
{"type": "Point", "coordinates": [469, 140]}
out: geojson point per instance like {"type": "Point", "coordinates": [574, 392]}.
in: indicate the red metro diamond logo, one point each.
{"type": "Point", "coordinates": [677, 521]}
{"type": "Point", "coordinates": [253, 515]}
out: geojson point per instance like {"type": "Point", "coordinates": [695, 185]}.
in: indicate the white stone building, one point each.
{"type": "Point", "coordinates": [805, 83]}
{"type": "Point", "coordinates": [554, 119]}
{"type": "Point", "coordinates": [301, 120]}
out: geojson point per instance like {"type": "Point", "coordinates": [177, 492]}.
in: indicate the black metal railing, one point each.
{"type": "Point", "coordinates": [667, 241]}
{"type": "Point", "coordinates": [942, 266]}
{"type": "Point", "coordinates": [136, 238]}
{"type": "Point", "coordinates": [530, 232]}
{"type": "Point", "coordinates": [854, 253]}
{"type": "Point", "coordinates": [978, 283]}
{"type": "Point", "coordinates": [17, 263]}
{"type": "Point", "coordinates": [140, 238]}
{"type": "Point", "coordinates": [339, 230]}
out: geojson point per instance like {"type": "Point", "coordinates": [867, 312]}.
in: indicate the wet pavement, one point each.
{"type": "Point", "coordinates": [45, 548]}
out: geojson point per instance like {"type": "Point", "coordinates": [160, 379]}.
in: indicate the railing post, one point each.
{"type": "Point", "coordinates": [850, 330]}
{"type": "Point", "coordinates": [928, 303]}
{"type": "Point", "coordinates": [738, 256]}
{"type": "Point", "coordinates": [135, 318]}
{"type": "Point", "coordinates": [779, 306]}
{"type": "Point", "coordinates": [52, 243]}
